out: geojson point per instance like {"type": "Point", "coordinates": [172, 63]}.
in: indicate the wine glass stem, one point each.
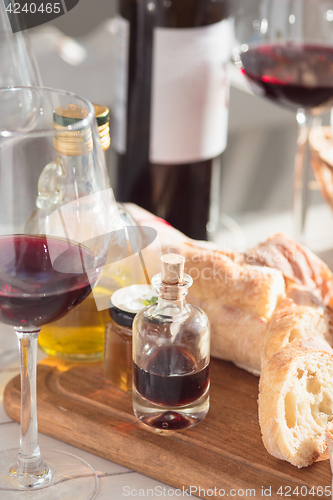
{"type": "Point", "coordinates": [29, 461]}
{"type": "Point", "coordinates": [301, 175]}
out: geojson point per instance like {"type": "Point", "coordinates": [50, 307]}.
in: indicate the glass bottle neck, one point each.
{"type": "Point", "coordinates": [166, 303]}
{"type": "Point", "coordinates": [172, 298]}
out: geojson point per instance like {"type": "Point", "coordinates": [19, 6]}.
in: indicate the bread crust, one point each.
{"type": "Point", "coordinates": [216, 277]}
{"type": "Point", "coordinates": [299, 315]}
{"type": "Point", "coordinates": [296, 262]}
{"type": "Point", "coordinates": [295, 401]}
{"type": "Point", "coordinates": [236, 336]}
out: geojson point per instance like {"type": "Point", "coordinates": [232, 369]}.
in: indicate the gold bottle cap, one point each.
{"type": "Point", "coordinates": [103, 122]}
{"type": "Point", "coordinates": [69, 115]}
{"type": "Point", "coordinates": [67, 142]}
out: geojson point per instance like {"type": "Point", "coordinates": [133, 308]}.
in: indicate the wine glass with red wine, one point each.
{"type": "Point", "coordinates": [44, 274]}
{"type": "Point", "coordinates": [285, 50]}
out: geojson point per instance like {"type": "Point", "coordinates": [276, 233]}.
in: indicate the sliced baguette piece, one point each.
{"type": "Point", "coordinates": [300, 315]}
{"type": "Point", "coordinates": [296, 401]}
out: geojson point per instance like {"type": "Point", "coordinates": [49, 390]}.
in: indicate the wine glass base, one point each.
{"type": "Point", "coordinates": [72, 478]}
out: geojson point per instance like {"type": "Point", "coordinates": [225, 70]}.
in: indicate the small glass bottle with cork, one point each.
{"type": "Point", "coordinates": [171, 354]}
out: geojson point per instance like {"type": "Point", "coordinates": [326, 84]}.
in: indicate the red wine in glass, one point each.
{"type": "Point", "coordinates": [41, 278]}
{"type": "Point", "coordinates": [293, 74]}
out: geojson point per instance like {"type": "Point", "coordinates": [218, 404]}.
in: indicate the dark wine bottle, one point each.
{"type": "Point", "coordinates": [170, 106]}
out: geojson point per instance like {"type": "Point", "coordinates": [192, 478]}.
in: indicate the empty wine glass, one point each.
{"type": "Point", "coordinates": [285, 49]}
{"type": "Point", "coordinates": [43, 276]}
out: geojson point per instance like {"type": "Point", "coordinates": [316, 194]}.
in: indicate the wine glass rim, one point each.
{"type": "Point", "coordinates": [78, 125]}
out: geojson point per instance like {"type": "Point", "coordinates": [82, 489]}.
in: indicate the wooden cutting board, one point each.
{"type": "Point", "coordinates": [225, 451]}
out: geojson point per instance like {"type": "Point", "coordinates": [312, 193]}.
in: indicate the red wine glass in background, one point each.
{"type": "Point", "coordinates": [45, 274]}
{"type": "Point", "coordinates": [285, 50]}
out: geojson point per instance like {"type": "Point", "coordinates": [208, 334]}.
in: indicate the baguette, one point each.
{"type": "Point", "coordinates": [238, 300]}
{"type": "Point", "coordinates": [297, 264]}
{"type": "Point", "coordinates": [216, 277]}
{"type": "Point", "coordinates": [296, 401]}
{"type": "Point", "coordinates": [236, 336]}
{"type": "Point", "coordinates": [299, 315]}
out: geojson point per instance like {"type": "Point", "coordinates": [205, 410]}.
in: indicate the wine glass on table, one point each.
{"type": "Point", "coordinates": [285, 49]}
{"type": "Point", "coordinates": [43, 276]}
{"type": "Point", "coordinates": [18, 67]}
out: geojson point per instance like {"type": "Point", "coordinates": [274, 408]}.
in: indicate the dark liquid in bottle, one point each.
{"type": "Point", "coordinates": [170, 378]}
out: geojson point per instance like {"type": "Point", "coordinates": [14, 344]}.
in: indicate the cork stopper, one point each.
{"type": "Point", "coordinates": [172, 283]}
{"type": "Point", "coordinates": [172, 268]}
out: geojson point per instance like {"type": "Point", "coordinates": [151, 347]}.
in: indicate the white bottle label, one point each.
{"type": "Point", "coordinates": [189, 113]}
{"type": "Point", "coordinates": [121, 30]}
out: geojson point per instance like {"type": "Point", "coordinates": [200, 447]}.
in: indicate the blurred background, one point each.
{"type": "Point", "coordinates": [75, 52]}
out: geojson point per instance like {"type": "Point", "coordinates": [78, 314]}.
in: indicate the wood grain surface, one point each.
{"type": "Point", "coordinates": [223, 453]}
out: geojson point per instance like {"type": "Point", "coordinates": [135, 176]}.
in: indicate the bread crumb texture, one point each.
{"type": "Point", "coordinates": [296, 401]}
